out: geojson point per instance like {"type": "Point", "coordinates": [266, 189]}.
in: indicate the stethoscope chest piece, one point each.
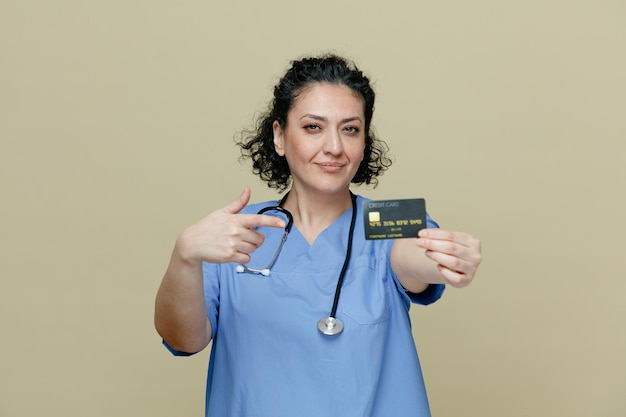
{"type": "Point", "coordinates": [330, 326]}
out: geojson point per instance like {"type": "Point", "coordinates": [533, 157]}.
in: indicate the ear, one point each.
{"type": "Point", "coordinates": [279, 135]}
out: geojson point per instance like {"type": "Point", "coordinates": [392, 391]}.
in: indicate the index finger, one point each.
{"type": "Point", "coordinates": [258, 220]}
{"type": "Point", "coordinates": [449, 235]}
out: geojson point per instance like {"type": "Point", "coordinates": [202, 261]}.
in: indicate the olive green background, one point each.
{"type": "Point", "coordinates": [116, 125]}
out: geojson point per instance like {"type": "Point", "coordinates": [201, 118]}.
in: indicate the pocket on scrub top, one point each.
{"type": "Point", "coordinates": [364, 297]}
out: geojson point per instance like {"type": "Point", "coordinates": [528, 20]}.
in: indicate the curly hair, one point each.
{"type": "Point", "coordinates": [258, 144]}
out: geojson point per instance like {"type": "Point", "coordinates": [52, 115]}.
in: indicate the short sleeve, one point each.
{"type": "Point", "coordinates": [430, 223]}
{"type": "Point", "coordinates": [176, 352]}
{"type": "Point", "coordinates": [431, 294]}
{"type": "Point", "coordinates": [211, 278]}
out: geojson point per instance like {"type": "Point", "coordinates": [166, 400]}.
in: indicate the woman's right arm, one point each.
{"type": "Point", "coordinates": [180, 315]}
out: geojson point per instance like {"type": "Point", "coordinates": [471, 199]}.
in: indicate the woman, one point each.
{"type": "Point", "coordinates": [224, 283]}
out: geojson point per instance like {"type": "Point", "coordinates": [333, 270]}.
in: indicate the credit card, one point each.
{"type": "Point", "coordinates": [394, 219]}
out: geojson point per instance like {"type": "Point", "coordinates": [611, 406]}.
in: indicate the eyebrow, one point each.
{"type": "Point", "coordinates": [324, 119]}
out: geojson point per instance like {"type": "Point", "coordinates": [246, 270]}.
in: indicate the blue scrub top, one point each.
{"type": "Point", "coordinates": [269, 360]}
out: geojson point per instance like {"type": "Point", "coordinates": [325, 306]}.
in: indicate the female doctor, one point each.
{"type": "Point", "coordinates": [260, 280]}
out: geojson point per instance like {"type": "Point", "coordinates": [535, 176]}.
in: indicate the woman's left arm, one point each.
{"type": "Point", "coordinates": [437, 256]}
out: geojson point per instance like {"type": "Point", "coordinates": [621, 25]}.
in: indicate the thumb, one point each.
{"type": "Point", "coordinates": [236, 206]}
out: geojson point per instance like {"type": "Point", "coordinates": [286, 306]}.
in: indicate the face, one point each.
{"type": "Point", "coordinates": [323, 139]}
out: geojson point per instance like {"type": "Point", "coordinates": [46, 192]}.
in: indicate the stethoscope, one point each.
{"type": "Point", "coordinates": [331, 325]}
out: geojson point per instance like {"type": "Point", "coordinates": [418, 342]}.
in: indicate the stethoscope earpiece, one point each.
{"type": "Point", "coordinates": [242, 268]}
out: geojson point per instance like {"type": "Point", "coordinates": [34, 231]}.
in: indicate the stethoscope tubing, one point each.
{"type": "Point", "coordinates": [331, 325]}
{"type": "Point", "coordinates": [344, 268]}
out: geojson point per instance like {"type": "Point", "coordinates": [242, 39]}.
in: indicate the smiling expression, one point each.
{"type": "Point", "coordinates": [323, 138]}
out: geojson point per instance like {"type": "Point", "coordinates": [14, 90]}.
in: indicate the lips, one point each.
{"type": "Point", "coordinates": [330, 166]}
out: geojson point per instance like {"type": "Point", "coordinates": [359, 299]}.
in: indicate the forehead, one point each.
{"type": "Point", "coordinates": [328, 97]}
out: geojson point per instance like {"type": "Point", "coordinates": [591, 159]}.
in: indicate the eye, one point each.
{"type": "Point", "coordinates": [352, 129]}
{"type": "Point", "coordinates": [312, 127]}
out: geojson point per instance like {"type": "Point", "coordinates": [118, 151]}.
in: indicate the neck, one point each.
{"type": "Point", "coordinates": [313, 214]}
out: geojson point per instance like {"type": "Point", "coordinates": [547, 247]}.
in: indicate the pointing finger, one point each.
{"type": "Point", "coordinates": [259, 220]}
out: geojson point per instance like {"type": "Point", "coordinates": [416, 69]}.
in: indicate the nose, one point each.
{"type": "Point", "coordinates": [333, 144]}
